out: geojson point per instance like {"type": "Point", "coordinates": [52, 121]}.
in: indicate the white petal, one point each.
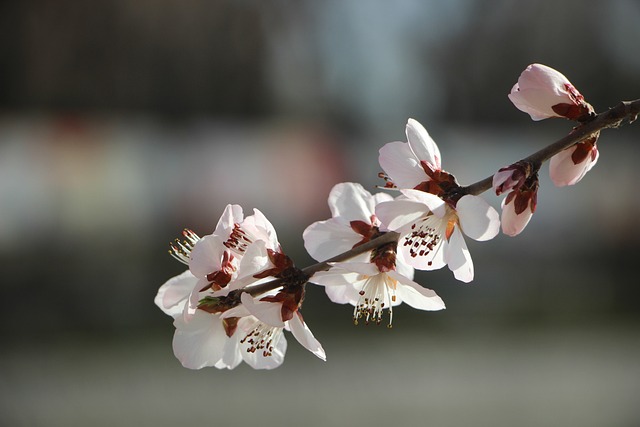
{"type": "Point", "coordinates": [399, 163]}
{"type": "Point", "coordinates": [256, 359]}
{"type": "Point", "coordinates": [338, 284]}
{"type": "Point", "coordinates": [421, 243]}
{"type": "Point", "coordinates": [415, 295]}
{"type": "Point", "coordinates": [254, 261]}
{"type": "Point", "coordinates": [421, 143]}
{"type": "Point", "coordinates": [458, 257]}
{"type": "Point", "coordinates": [258, 227]}
{"type": "Point", "coordinates": [365, 268]}
{"type": "Point", "coordinates": [335, 277]}
{"type": "Point", "coordinates": [478, 219]}
{"type": "Point", "coordinates": [397, 214]}
{"type": "Point", "coordinates": [304, 336]}
{"type": "Point", "coordinates": [434, 203]}
{"type": "Point", "coordinates": [325, 239]}
{"type": "Point", "coordinates": [346, 294]}
{"type": "Point", "coordinates": [173, 293]}
{"type": "Point", "coordinates": [231, 354]}
{"type": "Point", "coordinates": [535, 102]}
{"type": "Point", "coordinates": [381, 197]}
{"type": "Point", "coordinates": [200, 342]}
{"type": "Point", "coordinates": [237, 311]}
{"type": "Point", "coordinates": [404, 269]}
{"type": "Point", "coordinates": [191, 303]}
{"type": "Point", "coordinates": [351, 201]}
{"type": "Point", "coordinates": [232, 215]}
{"type": "Point", "coordinates": [434, 260]}
{"type": "Point", "coordinates": [206, 256]}
{"type": "Point", "coordinates": [267, 312]}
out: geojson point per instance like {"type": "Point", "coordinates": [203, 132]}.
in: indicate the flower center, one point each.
{"type": "Point", "coordinates": [425, 237]}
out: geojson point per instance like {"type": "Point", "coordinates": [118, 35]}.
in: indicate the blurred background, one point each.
{"type": "Point", "coordinates": [122, 122]}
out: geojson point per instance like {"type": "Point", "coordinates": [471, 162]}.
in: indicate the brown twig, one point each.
{"type": "Point", "coordinates": [612, 118]}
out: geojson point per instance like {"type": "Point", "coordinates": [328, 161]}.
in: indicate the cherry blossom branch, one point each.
{"type": "Point", "coordinates": [240, 319]}
{"type": "Point", "coordinates": [612, 118]}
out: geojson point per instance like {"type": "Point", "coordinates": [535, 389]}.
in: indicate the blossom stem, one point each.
{"type": "Point", "coordinates": [387, 237]}
{"type": "Point", "coordinates": [612, 118]}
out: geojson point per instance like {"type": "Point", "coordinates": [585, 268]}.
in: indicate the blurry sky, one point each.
{"type": "Point", "coordinates": [122, 122]}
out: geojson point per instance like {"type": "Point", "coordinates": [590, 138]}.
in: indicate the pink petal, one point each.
{"type": "Point", "coordinates": [539, 76]}
{"type": "Point", "coordinates": [564, 172]}
{"type": "Point", "coordinates": [535, 102]}
{"type": "Point", "coordinates": [513, 224]}
{"type": "Point", "coordinates": [538, 89]}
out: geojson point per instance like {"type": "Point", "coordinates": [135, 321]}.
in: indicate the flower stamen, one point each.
{"type": "Point", "coordinates": [375, 297]}
{"type": "Point", "coordinates": [181, 250]}
{"type": "Point", "coordinates": [264, 338]}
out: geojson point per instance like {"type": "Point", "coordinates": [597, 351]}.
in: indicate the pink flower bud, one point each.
{"type": "Point", "coordinates": [571, 165]}
{"type": "Point", "coordinates": [518, 207]}
{"type": "Point", "coordinates": [510, 177]}
{"type": "Point", "coordinates": [543, 92]}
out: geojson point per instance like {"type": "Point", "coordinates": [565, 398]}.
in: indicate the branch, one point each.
{"type": "Point", "coordinates": [612, 118]}
{"type": "Point", "coordinates": [387, 237]}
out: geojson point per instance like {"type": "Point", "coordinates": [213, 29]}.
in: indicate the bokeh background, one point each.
{"type": "Point", "coordinates": [122, 122]}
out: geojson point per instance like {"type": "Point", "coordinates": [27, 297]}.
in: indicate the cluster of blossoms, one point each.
{"type": "Point", "coordinates": [240, 291]}
{"type": "Point", "coordinates": [217, 319]}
